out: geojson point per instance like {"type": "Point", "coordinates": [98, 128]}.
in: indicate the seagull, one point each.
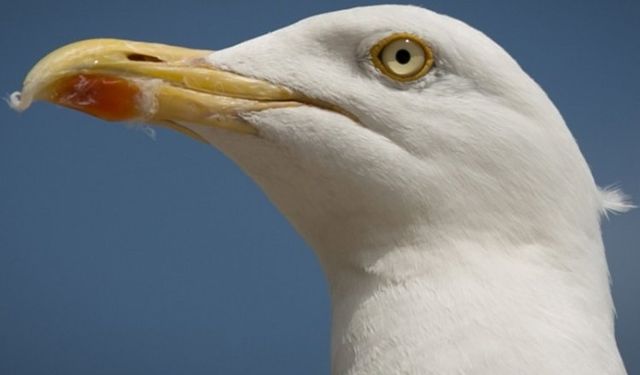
{"type": "Point", "coordinates": [451, 209]}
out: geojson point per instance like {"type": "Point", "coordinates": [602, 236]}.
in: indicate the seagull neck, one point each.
{"type": "Point", "coordinates": [469, 309]}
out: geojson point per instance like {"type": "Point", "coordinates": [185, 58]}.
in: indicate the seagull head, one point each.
{"type": "Point", "coordinates": [450, 207]}
{"type": "Point", "coordinates": [373, 127]}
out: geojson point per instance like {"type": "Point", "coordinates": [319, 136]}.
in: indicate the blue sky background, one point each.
{"type": "Point", "coordinates": [124, 255]}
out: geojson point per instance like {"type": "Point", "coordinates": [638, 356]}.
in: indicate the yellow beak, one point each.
{"type": "Point", "coordinates": [121, 80]}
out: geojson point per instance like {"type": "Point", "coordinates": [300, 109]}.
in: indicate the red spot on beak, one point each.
{"type": "Point", "coordinates": [107, 97]}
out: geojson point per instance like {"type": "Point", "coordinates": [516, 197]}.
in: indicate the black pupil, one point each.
{"type": "Point", "coordinates": [403, 56]}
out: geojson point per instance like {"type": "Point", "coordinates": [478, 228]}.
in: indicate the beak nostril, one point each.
{"type": "Point", "coordinates": [141, 57]}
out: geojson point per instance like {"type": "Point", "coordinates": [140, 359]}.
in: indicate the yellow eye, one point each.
{"type": "Point", "coordinates": [402, 57]}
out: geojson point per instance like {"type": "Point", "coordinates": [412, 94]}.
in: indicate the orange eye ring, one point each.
{"type": "Point", "coordinates": [402, 57]}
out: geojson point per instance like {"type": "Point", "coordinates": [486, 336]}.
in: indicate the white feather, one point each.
{"type": "Point", "coordinates": [615, 201]}
{"type": "Point", "coordinates": [457, 222]}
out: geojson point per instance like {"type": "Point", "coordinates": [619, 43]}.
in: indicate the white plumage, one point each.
{"type": "Point", "coordinates": [454, 216]}
{"type": "Point", "coordinates": [458, 224]}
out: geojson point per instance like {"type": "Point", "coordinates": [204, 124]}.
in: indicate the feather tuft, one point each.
{"type": "Point", "coordinates": [15, 102]}
{"type": "Point", "coordinates": [614, 201]}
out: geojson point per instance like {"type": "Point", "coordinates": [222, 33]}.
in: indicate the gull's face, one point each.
{"type": "Point", "coordinates": [336, 122]}
{"type": "Point", "coordinates": [459, 145]}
